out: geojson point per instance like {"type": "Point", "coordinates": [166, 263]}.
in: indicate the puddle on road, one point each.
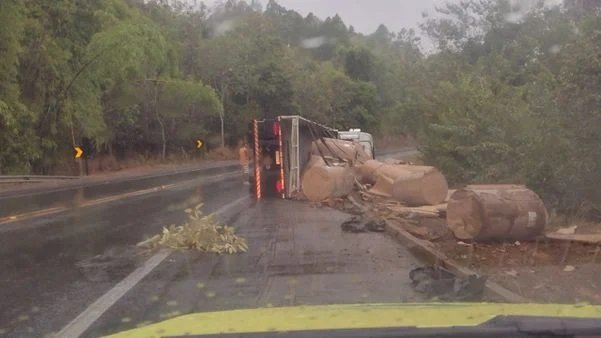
{"type": "Point", "coordinates": [113, 264]}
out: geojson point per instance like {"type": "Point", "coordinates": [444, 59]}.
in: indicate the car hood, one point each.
{"type": "Point", "coordinates": [353, 316]}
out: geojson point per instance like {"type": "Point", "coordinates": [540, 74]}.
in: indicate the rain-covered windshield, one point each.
{"type": "Point", "coordinates": [165, 159]}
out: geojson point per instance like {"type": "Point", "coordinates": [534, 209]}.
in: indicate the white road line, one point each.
{"type": "Point", "coordinates": [85, 319]}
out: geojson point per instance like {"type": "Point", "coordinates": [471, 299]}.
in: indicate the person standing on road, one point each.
{"type": "Point", "coordinates": [244, 159]}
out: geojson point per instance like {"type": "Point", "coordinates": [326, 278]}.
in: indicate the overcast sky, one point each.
{"type": "Point", "coordinates": [364, 15]}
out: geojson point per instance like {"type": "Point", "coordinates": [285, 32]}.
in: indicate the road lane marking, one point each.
{"type": "Point", "coordinates": [56, 210]}
{"type": "Point", "coordinates": [81, 323]}
{"type": "Point", "coordinates": [37, 213]}
{"type": "Point", "coordinates": [85, 319]}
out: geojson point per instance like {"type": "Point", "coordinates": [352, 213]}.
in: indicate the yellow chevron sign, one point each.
{"type": "Point", "coordinates": [78, 151]}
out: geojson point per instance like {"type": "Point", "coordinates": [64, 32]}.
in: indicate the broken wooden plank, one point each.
{"type": "Point", "coordinates": [440, 207]}
{"type": "Point", "coordinates": [425, 211]}
{"type": "Point", "coordinates": [584, 238]}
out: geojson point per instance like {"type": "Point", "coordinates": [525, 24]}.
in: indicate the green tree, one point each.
{"type": "Point", "coordinates": [477, 134]}
{"type": "Point", "coordinates": [579, 99]}
{"type": "Point", "coordinates": [358, 64]}
{"type": "Point", "coordinates": [16, 121]}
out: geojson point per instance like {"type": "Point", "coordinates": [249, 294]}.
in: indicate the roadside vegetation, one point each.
{"type": "Point", "coordinates": [509, 91]}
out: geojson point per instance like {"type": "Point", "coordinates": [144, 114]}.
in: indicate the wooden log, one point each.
{"type": "Point", "coordinates": [496, 212]}
{"type": "Point", "coordinates": [383, 186]}
{"type": "Point", "coordinates": [413, 185]}
{"type": "Point", "coordinates": [367, 171]}
{"type": "Point", "coordinates": [419, 185]}
{"type": "Point", "coordinates": [321, 182]}
{"type": "Point", "coordinates": [339, 150]}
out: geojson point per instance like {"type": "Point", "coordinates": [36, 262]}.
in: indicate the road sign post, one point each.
{"type": "Point", "coordinates": [200, 143]}
{"type": "Point", "coordinates": [78, 155]}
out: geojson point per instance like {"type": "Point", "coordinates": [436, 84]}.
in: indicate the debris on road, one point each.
{"type": "Point", "coordinates": [202, 233]}
{"type": "Point", "coordinates": [437, 282]}
{"type": "Point", "coordinates": [491, 230]}
{"type": "Point", "coordinates": [357, 224]}
{"type": "Point", "coordinates": [418, 212]}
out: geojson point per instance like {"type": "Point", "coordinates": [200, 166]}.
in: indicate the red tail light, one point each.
{"type": "Point", "coordinates": [279, 187]}
{"type": "Point", "coordinates": [276, 128]}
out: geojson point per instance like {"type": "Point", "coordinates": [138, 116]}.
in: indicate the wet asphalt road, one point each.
{"type": "Point", "coordinates": [55, 266]}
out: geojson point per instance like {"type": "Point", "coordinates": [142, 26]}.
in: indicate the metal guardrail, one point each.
{"type": "Point", "coordinates": [33, 178]}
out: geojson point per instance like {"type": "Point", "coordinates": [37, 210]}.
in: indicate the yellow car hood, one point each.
{"type": "Point", "coordinates": [352, 316]}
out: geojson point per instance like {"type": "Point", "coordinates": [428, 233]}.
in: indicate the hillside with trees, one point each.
{"type": "Point", "coordinates": [508, 94]}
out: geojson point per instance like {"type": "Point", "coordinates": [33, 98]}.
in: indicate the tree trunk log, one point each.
{"type": "Point", "coordinates": [420, 185]}
{"type": "Point", "coordinates": [496, 212]}
{"type": "Point", "coordinates": [410, 184]}
{"type": "Point", "coordinates": [367, 171]}
{"type": "Point", "coordinates": [383, 186]}
{"type": "Point", "coordinates": [321, 182]}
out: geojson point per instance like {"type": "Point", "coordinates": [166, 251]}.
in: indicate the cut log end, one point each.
{"type": "Point", "coordinates": [497, 212]}
{"type": "Point", "coordinates": [465, 219]}
{"type": "Point", "coordinates": [321, 182]}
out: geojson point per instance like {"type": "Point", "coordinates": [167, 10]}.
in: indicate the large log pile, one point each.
{"type": "Point", "coordinates": [328, 175]}
{"type": "Point", "coordinates": [474, 213]}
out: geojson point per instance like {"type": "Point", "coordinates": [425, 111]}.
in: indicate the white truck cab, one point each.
{"type": "Point", "coordinates": [364, 139]}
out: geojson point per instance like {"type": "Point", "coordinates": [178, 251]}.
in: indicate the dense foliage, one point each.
{"type": "Point", "coordinates": [512, 95]}
{"type": "Point", "coordinates": [510, 92]}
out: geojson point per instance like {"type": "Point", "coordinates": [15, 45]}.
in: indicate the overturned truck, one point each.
{"type": "Point", "coordinates": [299, 158]}
{"type": "Point", "coordinates": [285, 147]}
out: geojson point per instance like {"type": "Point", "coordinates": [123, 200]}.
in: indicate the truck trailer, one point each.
{"type": "Point", "coordinates": [281, 148]}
